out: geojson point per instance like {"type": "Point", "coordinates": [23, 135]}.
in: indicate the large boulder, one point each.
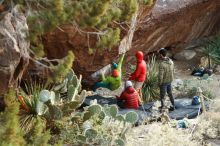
{"type": "Point", "coordinates": [169, 23]}
{"type": "Point", "coordinates": [185, 55]}
{"type": "Point", "coordinates": [13, 48]}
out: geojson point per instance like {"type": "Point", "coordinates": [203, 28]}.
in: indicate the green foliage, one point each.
{"type": "Point", "coordinates": [95, 14]}
{"type": "Point", "coordinates": [150, 90]}
{"type": "Point", "coordinates": [61, 70]}
{"type": "Point", "coordinates": [211, 50]}
{"type": "Point", "coordinates": [148, 2]}
{"type": "Point", "coordinates": [109, 39]}
{"type": "Point", "coordinates": [37, 136]}
{"type": "Point", "coordinates": [129, 7]}
{"type": "Point", "coordinates": [208, 94]}
{"type": "Point", "coordinates": [10, 133]}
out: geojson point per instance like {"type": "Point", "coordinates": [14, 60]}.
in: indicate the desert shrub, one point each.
{"type": "Point", "coordinates": [211, 50]}
{"type": "Point", "coordinates": [150, 90]}
{"type": "Point", "coordinates": [189, 87]}
{"type": "Point", "coordinates": [37, 135]}
{"type": "Point", "coordinates": [208, 126]}
{"type": "Point", "coordinates": [10, 132]}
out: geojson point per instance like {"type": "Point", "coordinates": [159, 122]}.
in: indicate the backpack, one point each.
{"type": "Point", "coordinates": [195, 100]}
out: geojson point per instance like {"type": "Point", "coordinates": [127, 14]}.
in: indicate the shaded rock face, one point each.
{"type": "Point", "coordinates": [169, 23]}
{"type": "Point", "coordinates": [13, 48]}
{"type": "Point", "coordinates": [177, 22]}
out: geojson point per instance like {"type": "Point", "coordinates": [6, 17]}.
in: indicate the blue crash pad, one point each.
{"type": "Point", "coordinates": [184, 107]}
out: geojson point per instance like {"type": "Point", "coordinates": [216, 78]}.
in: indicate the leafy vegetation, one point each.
{"type": "Point", "coordinates": [150, 88]}
{"type": "Point", "coordinates": [212, 51]}
{"type": "Point", "coordinates": [10, 132]}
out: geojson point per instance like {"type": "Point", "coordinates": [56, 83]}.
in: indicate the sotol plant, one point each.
{"type": "Point", "coordinates": [211, 50]}
{"type": "Point", "coordinates": [150, 89]}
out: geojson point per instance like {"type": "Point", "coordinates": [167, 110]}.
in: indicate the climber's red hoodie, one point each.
{"type": "Point", "coordinates": [140, 72]}
{"type": "Point", "coordinates": [130, 97]}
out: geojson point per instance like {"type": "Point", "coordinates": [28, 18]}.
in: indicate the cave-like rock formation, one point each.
{"type": "Point", "coordinates": [168, 23]}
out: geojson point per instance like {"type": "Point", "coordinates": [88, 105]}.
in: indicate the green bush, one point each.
{"type": "Point", "coordinates": [211, 50]}
{"type": "Point", "coordinates": [10, 132]}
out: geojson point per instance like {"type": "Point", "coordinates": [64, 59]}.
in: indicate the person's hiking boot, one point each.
{"type": "Point", "coordinates": [172, 108]}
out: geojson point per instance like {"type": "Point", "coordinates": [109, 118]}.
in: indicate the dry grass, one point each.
{"type": "Point", "coordinates": [205, 127]}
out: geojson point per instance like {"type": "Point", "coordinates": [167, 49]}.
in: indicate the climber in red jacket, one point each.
{"type": "Point", "coordinates": [139, 75]}
{"type": "Point", "coordinates": [129, 97]}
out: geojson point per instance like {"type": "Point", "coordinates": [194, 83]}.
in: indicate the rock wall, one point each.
{"type": "Point", "coordinates": [174, 22]}
{"type": "Point", "coordinates": [169, 23]}
{"type": "Point", "coordinates": [14, 56]}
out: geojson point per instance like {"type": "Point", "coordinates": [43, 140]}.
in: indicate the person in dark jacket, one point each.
{"type": "Point", "coordinates": [165, 77]}
{"type": "Point", "coordinates": [129, 97]}
{"type": "Point", "coordinates": [139, 75]}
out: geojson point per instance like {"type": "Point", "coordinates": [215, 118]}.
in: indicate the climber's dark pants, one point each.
{"type": "Point", "coordinates": [100, 84]}
{"type": "Point", "coordinates": [166, 88]}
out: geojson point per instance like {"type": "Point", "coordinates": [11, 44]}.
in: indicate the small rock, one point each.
{"type": "Point", "coordinates": [177, 82]}
{"type": "Point", "coordinates": [217, 69]}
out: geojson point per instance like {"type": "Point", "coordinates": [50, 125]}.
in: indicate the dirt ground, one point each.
{"type": "Point", "coordinates": [183, 71]}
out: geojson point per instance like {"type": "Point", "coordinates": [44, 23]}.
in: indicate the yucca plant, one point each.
{"type": "Point", "coordinates": [150, 90]}
{"type": "Point", "coordinates": [212, 51]}
{"type": "Point", "coordinates": [28, 98]}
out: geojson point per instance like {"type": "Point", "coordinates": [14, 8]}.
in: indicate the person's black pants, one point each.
{"type": "Point", "coordinates": [120, 103]}
{"type": "Point", "coordinates": [166, 88]}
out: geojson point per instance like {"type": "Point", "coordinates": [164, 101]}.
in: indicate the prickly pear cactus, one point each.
{"type": "Point", "coordinates": [68, 108]}
{"type": "Point", "coordinates": [94, 109]}
{"type": "Point", "coordinates": [55, 112]}
{"type": "Point", "coordinates": [119, 142]}
{"type": "Point", "coordinates": [111, 110]}
{"type": "Point", "coordinates": [87, 115]}
{"type": "Point", "coordinates": [91, 134]}
{"type": "Point", "coordinates": [44, 96]}
{"type": "Point", "coordinates": [97, 125]}
{"type": "Point", "coordinates": [70, 91]}
{"type": "Point", "coordinates": [65, 97]}
{"type": "Point", "coordinates": [40, 108]}
{"type": "Point", "coordinates": [120, 118]}
{"type": "Point", "coordinates": [131, 117]}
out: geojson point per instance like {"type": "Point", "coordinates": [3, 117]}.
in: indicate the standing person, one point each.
{"type": "Point", "coordinates": [165, 77]}
{"type": "Point", "coordinates": [129, 97]}
{"type": "Point", "coordinates": [139, 75]}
